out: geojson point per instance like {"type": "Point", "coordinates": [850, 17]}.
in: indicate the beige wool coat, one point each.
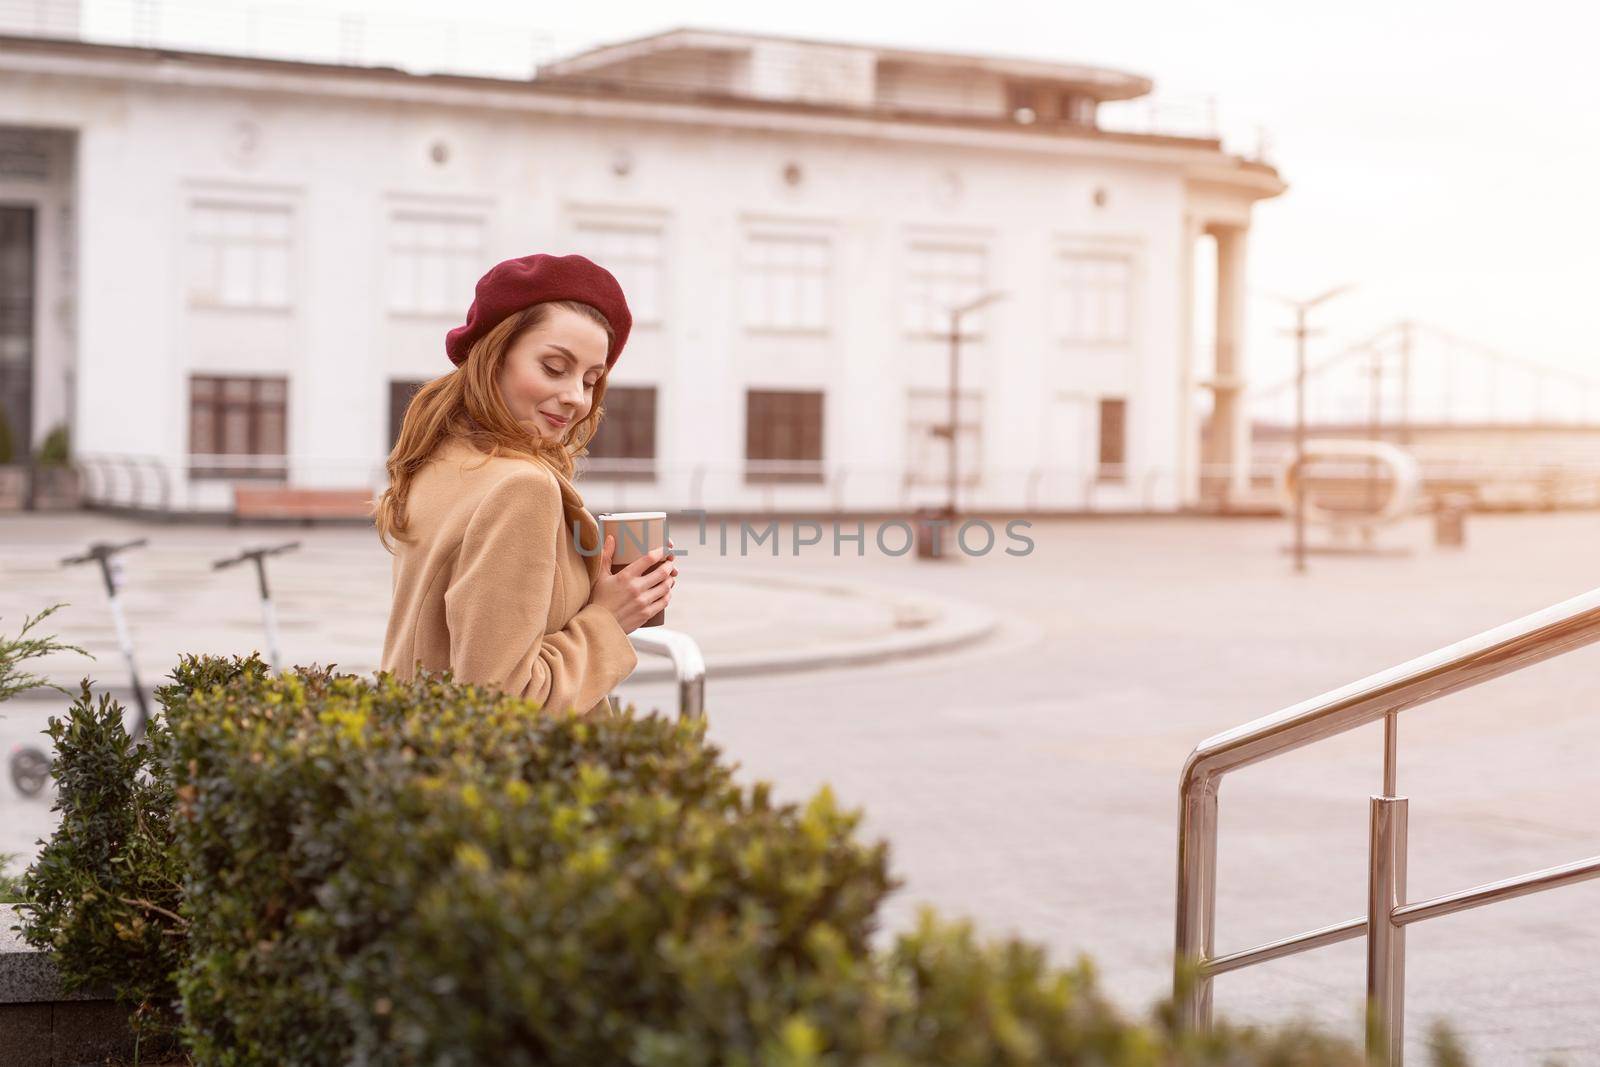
{"type": "Point", "coordinates": [492, 586]}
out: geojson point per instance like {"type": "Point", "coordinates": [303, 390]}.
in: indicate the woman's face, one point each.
{"type": "Point", "coordinates": [549, 372]}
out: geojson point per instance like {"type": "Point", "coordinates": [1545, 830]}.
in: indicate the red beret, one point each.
{"type": "Point", "coordinates": [518, 283]}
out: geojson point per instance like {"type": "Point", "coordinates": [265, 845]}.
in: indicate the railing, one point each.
{"type": "Point", "coordinates": [278, 31]}
{"type": "Point", "coordinates": [204, 484]}
{"type": "Point", "coordinates": [687, 662]}
{"type": "Point", "coordinates": [138, 483]}
{"type": "Point", "coordinates": [1189, 115]}
{"type": "Point", "coordinates": [1493, 486]}
{"type": "Point", "coordinates": [1543, 635]}
{"type": "Point", "coordinates": [778, 486]}
{"type": "Point", "coordinates": [1507, 477]}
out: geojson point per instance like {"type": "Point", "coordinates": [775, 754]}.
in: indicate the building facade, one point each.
{"type": "Point", "coordinates": [234, 271]}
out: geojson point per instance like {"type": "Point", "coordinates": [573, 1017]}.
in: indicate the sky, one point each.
{"type": "Point", "coordinates": [1442, 157]}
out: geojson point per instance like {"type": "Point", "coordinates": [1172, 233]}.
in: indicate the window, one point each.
{"type": "Point", "coordinates": [928, 446]}
{"type": "Point", "coordinates": [237, 427]}
{"type": "Point", "coordinates": [940, 277]}
{"type": "Point", "coordinates": [783, 436]}
{"type": "Point", "coordinates": [624, 447]}
{"type": "Point", "coordinates": [787, 281]}
{"type": "Point", "coordinates": [1113, 439]}
{"type": "Point", "coordinates": [1093, 298]}
{"type": "Point", "coordinates": [239, 255]}
{"type": "Point", "coordinates": [400, 394]}
{"type": "Point", "coordinates": [434, 261]}
{"type": "Point", "coordinates": [636, 255]}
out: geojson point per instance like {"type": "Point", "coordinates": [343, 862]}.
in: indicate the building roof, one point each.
{"type": "Point", "coordinates": [1101, 83]}
{"type": "Point", "coordinates": [204, 70]}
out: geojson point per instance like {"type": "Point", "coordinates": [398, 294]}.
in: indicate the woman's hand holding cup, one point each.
{"type": "Point", "coordinates": [636, 592]}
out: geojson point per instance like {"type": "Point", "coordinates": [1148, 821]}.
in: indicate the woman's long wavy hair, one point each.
{"type": "Point", "coordinates": [466, 404]}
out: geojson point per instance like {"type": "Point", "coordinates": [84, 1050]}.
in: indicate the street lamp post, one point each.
{"type": "Point", "coordinates": [1376, 371]}
{"type": "Point", "coordinates": [951, 430]}
{"type": "Point", "coordinates": [1300, 333]}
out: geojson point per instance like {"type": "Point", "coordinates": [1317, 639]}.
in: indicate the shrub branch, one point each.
{"type": "Point", "coordinates": [19, 649]}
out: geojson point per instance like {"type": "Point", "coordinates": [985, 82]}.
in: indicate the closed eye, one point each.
{"type": "Point", "coordinates": [557, 372]}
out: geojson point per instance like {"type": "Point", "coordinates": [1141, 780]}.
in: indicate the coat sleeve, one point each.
{"type": "Point", "coordinates": [498, 604]}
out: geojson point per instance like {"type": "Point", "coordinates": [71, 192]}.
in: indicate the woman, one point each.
{"type": "Point", "coordinates": [496, 576]}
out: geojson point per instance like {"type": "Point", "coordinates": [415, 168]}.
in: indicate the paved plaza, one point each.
{"type": "Point", "coordinates": [1026, 773]}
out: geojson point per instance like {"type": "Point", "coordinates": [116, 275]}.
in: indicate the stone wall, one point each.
{"type": "Point", "coordinates": [40, 1025]}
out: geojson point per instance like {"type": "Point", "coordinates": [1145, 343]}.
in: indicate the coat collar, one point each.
{"type": "Point", "coordinates": [579, 521]}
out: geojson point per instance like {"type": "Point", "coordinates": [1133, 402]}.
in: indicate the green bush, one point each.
{"type": "Point", "coordinates": [15, 651]}
{"type": "Point", "coordinates": [11, 890]}
{"type": "Point", "coordinates": [960, 1001]}
{"type": "Point", "coordinates": [350, 839]}
{"type": "Point", "coordinates": [102, 896]}
{"type": "Point", "coordinates": [385, 872]}
{"type": "Point", "coordinates": [56, 448]}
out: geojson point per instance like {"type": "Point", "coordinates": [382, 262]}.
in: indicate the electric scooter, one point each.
{"type": "Point", "coordinates": [105, 554]}
{"type": "Point", "coordinates": [30, 767]}
{"type": "Point", "coordinates": [30, 770]}
{"type": "Point", "coordinates": [269, 614]}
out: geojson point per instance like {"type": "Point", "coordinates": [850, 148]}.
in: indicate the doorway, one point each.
{"type": "Point", "coordinates": [18, 256]}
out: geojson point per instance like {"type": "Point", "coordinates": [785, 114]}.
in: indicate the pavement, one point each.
{"type": "Point", "coordinates": [332, 602]}
{"type": "Point", "coordinates": [1028, 779]}
{"type": "Point", "coordinates": [331, 599]}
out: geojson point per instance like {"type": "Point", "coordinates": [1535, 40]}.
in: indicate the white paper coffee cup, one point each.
{"type": "Point", "coordinates": [638, 533]}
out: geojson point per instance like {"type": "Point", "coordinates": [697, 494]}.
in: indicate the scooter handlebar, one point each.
{"type": "Point", "coordinates": [251, 553]}
{"type": "Point", "coordinates": [103, 550]}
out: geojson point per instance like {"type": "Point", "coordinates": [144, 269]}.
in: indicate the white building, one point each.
{"type": "Point", "coordinates": [236, 268]}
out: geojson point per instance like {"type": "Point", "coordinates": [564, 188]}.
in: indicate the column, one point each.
{"type": "Point", "coordinates": [1190, 451]}
{"type": "Point", "coordinates": [1230, 420]}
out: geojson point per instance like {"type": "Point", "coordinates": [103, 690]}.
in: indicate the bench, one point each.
{"type": "Point", "coordinates": [280, 502]}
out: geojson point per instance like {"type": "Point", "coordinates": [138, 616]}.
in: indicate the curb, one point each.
{"type": "Point", "coordinates": [937, 624]}
{"type": "Point", "coordinates": [929, 625]}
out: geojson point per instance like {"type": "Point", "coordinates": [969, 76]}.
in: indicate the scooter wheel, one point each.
{"type": "Point", "coordinates": [30, 770]}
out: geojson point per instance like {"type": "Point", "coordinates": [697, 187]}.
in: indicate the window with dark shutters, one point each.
{"type": "Point", "coordinates": [238, 427]}
{"type": "Point", "coordinates": [400, 393]}
{"type": "Point", "coordinates": [1113, 439]}
{"type": "Point", "coordinates": [783, 436]}
{"type": "Point", "coordinates": [624, 447]}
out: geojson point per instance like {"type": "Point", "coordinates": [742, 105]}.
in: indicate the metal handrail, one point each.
{"type": "Point", "coordinates": [1554, 631]}
{"type": "Point", "coordinates": [687, 661]}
